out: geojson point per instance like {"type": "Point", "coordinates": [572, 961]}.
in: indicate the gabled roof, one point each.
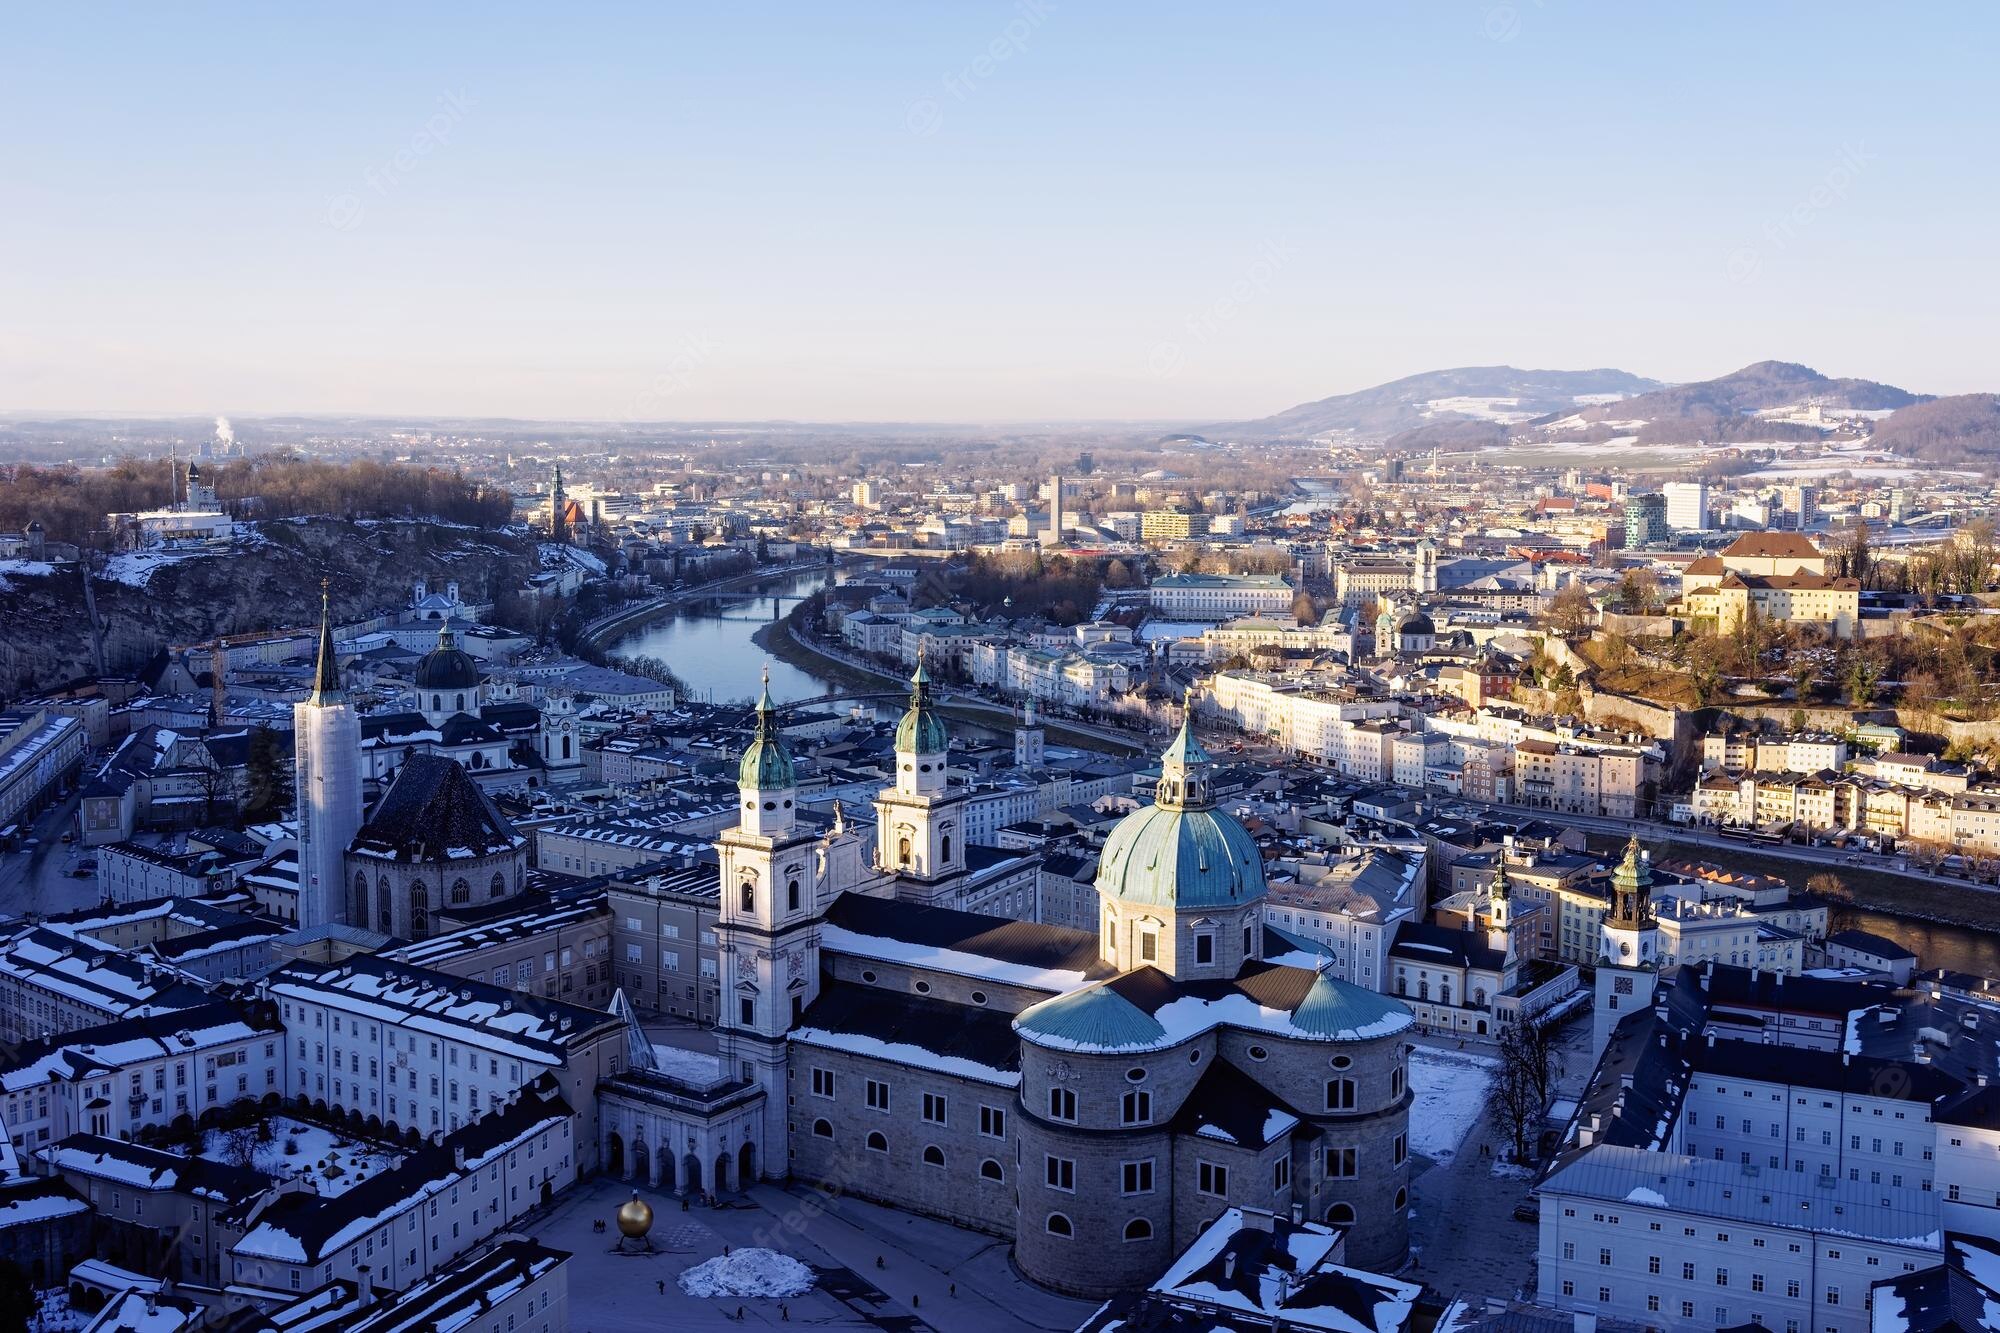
{"type": "Point", "coordinates": [1773, 545]}
{"type": "Point", "coordinates": [1228, 1105]}
{"type": "Point", "coordinates": [151, 1169]}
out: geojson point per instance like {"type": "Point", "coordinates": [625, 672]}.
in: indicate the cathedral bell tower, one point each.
{"type": "Point", "coordinates": [767, 924]}
{"type": "Point", "coordinates": [1629, 944]}
{"type": "Point", "coordinates": [918, 821]}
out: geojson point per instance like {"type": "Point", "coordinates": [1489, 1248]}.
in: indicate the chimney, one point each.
{"type": "Point", "coordinates": [458, 1156]}
{"type": "Point", "coordinates": [1711, 1038]}
{"type": "Point", "coordinates": [1229, 1266]}
{"type": "Point", "coordinates": [1259, 1219]}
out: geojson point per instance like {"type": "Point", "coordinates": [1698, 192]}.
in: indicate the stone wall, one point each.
{"type": "Point", "coordinates": [896, 1172]}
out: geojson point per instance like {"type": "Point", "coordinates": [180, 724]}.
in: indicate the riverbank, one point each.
{"type": "Point", "coordinates": [1860, 886]}
{"type": "Point", "coordinates": [778, 639]}
{"type": "Point", "coordinates": [626, 621]}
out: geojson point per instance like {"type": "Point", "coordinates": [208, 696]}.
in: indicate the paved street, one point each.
{"type": "Point", "coordinates": [1463, 1235]}
{"type": "Point", "coordinates": [36, 879]}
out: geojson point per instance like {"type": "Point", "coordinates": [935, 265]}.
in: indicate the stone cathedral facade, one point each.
{"type": "Point", "coordinates": [1096, 1096]}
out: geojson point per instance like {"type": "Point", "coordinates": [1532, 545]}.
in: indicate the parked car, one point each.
{"type": "Point", "coordinates": [1527, 1211]}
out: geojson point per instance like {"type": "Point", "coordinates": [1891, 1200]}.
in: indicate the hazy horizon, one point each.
{"type": "Point", "coordinates": [996, 213]}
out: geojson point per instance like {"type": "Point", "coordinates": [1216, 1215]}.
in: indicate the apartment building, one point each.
{"type": "Point", "coordinates": [442, 1201]}
{"type": "Point", "coordinates": [417, 1049]}
{"type": "Point", "coordinates": [1220, 596]}
{"type": "Point", "coordinates": [139, 1073]}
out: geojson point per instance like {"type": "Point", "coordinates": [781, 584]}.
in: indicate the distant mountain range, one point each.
{"type": "Point", "coordinates": [1500, 395]}
{"type": "Point", "coordinates": [1483, 406]}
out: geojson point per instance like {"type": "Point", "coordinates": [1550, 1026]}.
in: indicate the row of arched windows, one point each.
{"type": "Point", "coordinates": [877, 1141]}
{"type": "Point", "coordinates": [1059, 1224]}
{"type": "Point", "coordinates": [461, 892]}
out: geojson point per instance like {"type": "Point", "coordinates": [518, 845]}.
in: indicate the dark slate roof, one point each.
{"type": "Point", "coordinates": [154, 1169]}
{"type": "Point", "coordinates": [956, 1031]}
{"type": "Point", "coordinates": [1227, 1101]}
{"type": "Point", "coordinates": [1028, 943]}
{"type": "Point", "coordinates": [465, 729]}
{"type": "Point", "coordinates": [1461, 948]}
{"type": "Point", "coordinates": [1650, 1047]}
{"type": "Point", "coordinates": [1830, 1070]}
{"type": "Point", "coordinates": [1944, 1299]}
{"type": "Point", "coordinates": [511, 717]}
{"type": "Point", "coordinates": [1752, 988]}
{"type": "Point", "coordinates": [1975, 1107]}
{"type": "Point", "coordinates": [1867, 942]}
{"type": "Point", "coordinates": [1255, 1278]}
{"type": "Point", "coordinates": [430, 809]}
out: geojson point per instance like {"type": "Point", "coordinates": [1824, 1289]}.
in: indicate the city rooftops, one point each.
{"type": "Point", "coordinates": [1236, 582]}
{"type": "Point", "coordinates": [1676, 1182]}
{"type": "Point", "coordinates": [513, 1023]}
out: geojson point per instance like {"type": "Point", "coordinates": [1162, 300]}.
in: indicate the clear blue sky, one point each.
{"type": "Point", "coordinates": [838, 212]}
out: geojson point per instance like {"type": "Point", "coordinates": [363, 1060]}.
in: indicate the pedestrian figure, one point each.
{"type": "Point", "coordinates": [784, 1314]}
{"type": "Point", "coordinates": [951, 1289]}
{"type": "Point", "coordinates": [663, 1288]}
{"type": "Point", "coordinates": [725, 1251]}
{"type": "Point", "coordinates": [915, 1301]}
{"type": "Point", "coordinates": [879, 1263]}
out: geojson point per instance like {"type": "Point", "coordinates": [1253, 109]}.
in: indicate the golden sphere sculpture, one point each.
{"type": "Point", "coordinates": [635, 1217]}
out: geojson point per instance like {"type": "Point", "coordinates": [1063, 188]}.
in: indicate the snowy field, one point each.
{"type": "Point", "coordinates": [1450, 1089]}
{"type": "Point", "coordinates": [329, 1163]}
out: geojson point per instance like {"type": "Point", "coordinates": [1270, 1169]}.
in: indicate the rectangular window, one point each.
{"type": "Point", "coordinates": [822, 1082]}
{"type": "Point", "coordinates": [993, 1122]}
{"type": "Point", "coordinates": [1136, 1107]}
{"type": "Point", "coordinates": [1136, 1177]}
{"type": "Point", "coordinates": [878, 1095]}
{"type": "Point", "coordinates": [934, 1108]}
{"type": "Point", "coordinates": [1062, 1104]}
{"type": "Point", "coordinates": [1061, 1173]}
{"type": "Point", "coordinates": [1340, 1163]}
{"type": "Point", "coordinates": [1212, 1178]}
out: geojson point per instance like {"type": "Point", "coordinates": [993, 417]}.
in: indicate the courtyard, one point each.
{"type": "Point", "coordinates": [932, 1275]}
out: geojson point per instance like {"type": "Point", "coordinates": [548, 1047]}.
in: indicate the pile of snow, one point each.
{"type": "Point", "coordinates": [748, 1273]}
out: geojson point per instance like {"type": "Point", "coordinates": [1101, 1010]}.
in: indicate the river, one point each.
{"type": "Point", "coordinates": [1936, 944]}
{"type": "Point", "coordinates": [708, 643]}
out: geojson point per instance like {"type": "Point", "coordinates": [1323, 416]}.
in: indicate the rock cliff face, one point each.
{"type": "Point", "coordinates": [147, 602]}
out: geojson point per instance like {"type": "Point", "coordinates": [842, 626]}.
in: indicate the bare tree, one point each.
{"type": "Point", "coordinates": [239, 1146]}
{"type": "Point", "coordinates": [1515, 1103]}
